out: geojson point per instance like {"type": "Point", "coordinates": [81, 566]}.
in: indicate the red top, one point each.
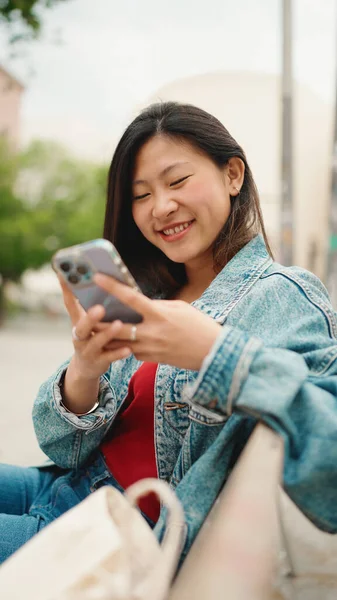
{"type": "Point", "coordinates": [130, 454]}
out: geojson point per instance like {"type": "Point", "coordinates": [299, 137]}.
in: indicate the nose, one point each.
{"type": "Point", "coordinates": [163, 206]}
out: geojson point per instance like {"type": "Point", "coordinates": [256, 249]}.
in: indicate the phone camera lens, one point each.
{"type": "Point", "coordinates": [65, 266]}
{"type": "Point", "coordinates": [73, 278]}
{"type": "Point", "coordinates": [82, 269]}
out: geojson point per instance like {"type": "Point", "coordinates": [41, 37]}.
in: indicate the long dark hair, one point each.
{"type": "Point", "coordinates": [156, 274]}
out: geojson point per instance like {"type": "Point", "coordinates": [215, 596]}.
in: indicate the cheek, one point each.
{"type": "Point", "coordinates": [198, 195]}
{"type": "Point", "coordinates": [210, 197]}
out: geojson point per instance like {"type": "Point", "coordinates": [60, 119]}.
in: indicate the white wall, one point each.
{"type": "Point", "coordinates": [249, 105]}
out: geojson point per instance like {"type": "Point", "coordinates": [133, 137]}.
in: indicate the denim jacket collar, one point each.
{"type": "Point", "coordinates": [235, 280]}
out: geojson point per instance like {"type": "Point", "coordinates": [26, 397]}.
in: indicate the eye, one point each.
{"type": "Point", "coordinates": [141, 197]}
{"type": "Point", "coordinates": [180, 180]}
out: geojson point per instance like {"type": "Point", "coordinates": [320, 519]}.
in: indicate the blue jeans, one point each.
{"type": "Point", "coordinates": [33, 497]}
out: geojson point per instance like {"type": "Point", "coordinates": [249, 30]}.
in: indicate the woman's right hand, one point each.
{"type": "Point", "coordinates": [91, 357]}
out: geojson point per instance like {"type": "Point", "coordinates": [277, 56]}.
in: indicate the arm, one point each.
{"type": "Point", "coordinates": [64, 429]}
{"type": "Point", "coordinates": [295, 393]}
{"type": "Point", "coordinates": [68, 440]}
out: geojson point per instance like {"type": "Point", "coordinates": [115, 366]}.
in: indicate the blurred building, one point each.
{"type": "Point", "coordinates": [10, 103]}
{"type": "Point", "coordinates": [38, 291]}
{"type": "Point", "coordinates": [249, 105]}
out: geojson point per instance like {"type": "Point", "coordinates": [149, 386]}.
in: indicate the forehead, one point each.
{"type": "Point", "coordinates": [161, 151]}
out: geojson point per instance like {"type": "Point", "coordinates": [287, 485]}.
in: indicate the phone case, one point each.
{"type": "Point", "coordinates": [79, 263]}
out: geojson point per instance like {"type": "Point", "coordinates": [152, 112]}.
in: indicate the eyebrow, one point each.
{"type": "Point", "coordinates": [163, 172]}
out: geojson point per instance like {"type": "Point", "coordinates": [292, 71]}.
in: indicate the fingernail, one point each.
{"type": "Point", "coordinates": [116, 325]}
{"type": "Point", "coordinates": [97, 311]}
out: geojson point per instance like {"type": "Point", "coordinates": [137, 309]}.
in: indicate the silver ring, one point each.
{"type": "Point", "coordinates": [133, 336]}
{"type": "Point", "coordinates": [75, 336]}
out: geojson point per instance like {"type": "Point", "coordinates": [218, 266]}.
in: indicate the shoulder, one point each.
{"type": "Point", "coordinates": [288, 307]}
{"type": "Point", "coordinates": [297, 278]}
{"type": "Point", "coordinates": [299, 290]}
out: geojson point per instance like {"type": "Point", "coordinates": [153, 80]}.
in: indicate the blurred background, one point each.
{"type": "Point", "coordinates": [73, 73]}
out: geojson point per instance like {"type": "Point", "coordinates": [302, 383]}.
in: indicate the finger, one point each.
{"type": "Point", "coordinates": [87, 322]}
{"type": "Point", "coordinates": [115, 344]}
{"type": "Point", "coordinates": [71, 303]}
{"type": "Point", "coordinates": [112, 356]}
{"type": "Point", "coordinates": [126, 294]}
{"type": "Point", "coordinates": [127, 332]}
{"type": "Point", "coordinates": [102, 326]}
{"type": "Point", "coordinates": [101, 340]}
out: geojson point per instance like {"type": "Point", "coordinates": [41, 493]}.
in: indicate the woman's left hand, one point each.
{"type": "Point", "coordinates": [172, 331]}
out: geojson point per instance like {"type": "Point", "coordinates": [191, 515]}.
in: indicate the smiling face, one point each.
{"type": "Point", "coordinates": [181, 199]}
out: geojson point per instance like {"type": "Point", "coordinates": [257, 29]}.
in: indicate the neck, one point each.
{"type": "Point", "coordinates": [199, 277]}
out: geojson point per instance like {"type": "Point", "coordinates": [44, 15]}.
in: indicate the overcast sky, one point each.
{"type": "Point", "coordinates": [114, 54]}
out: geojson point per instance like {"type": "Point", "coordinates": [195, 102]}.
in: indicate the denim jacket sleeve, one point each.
{"type": "Point", "coordinates": [289, 383]}
{"type": "Point", "coordinates": [69, 440]}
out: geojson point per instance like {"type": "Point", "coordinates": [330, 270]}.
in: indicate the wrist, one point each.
{"type": "Point", "coordinates": [78, 373]}
{"type": "Point", "coordinates": [79, 393]}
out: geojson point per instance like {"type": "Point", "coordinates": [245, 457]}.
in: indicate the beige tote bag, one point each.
{"type": "Point", "coordinates": [102, 549]}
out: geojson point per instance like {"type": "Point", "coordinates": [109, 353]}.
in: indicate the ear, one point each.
{"type": "Point", "coordinates": [235, 173]}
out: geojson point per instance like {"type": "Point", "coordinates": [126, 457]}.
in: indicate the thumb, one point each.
{"type": "Point", "coordinates": [71, 303]}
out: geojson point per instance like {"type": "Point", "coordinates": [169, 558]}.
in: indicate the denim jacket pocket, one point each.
{"type": "Point", "coordinates": [175, 410]}
{"type": "Point", "coordinates": [205, 416]}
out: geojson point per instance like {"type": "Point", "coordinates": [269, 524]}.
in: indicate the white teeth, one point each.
{"type": "Point", "coordinates": [176, 229]}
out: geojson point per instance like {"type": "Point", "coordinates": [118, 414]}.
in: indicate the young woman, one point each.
{"type": "Point", "coordinates": [229, 338]}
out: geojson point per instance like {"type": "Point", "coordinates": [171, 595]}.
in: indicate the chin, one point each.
{"type": "Point", "coordinates": [180, 261]}
{"type": "Point", "coordinates": [182, 257]}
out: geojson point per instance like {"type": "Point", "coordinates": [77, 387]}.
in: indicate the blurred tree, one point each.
{"type": "Point", "coordinates": [48, 200]}
{"type": "Point", "coordinates": [68, 194]}
{"type": "Point", "coordinates": [13, 213]}
{"type": "Point", "coordinates": [25, 13]}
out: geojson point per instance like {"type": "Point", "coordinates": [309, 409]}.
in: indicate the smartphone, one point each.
{"type": "Point", "coordinates": [77, 266]}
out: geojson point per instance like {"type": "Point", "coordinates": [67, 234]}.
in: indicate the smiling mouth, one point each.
{"type": "Point", "coordinates": [175, 233]}
{"type": "Point", "coordinates": [177, 229]}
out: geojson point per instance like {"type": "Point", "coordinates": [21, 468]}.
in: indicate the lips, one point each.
{"type": "Point", "coordinates": [176, 228]}
{"type": "Point", "coordinates": [176, 231]}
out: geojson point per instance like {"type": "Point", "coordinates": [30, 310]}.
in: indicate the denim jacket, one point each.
{"type": "Point", "coordinates": [274, 361]}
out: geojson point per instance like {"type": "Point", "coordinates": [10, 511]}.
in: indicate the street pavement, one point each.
{"type": "Point", "coordinates": [30, 351]}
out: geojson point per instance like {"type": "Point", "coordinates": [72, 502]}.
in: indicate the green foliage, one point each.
{"type": "Point", "coordinates": [25, 13]}
{"type": "Point", "coordinates": [48, 200]}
